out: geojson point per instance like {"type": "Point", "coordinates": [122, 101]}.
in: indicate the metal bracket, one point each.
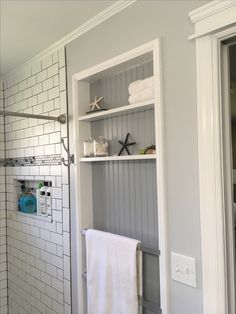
{"type": "Point", "coordinates": [70, 159]}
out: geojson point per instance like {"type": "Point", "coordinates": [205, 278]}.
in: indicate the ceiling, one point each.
{"type": "Point", "coordinates": [27, 27]}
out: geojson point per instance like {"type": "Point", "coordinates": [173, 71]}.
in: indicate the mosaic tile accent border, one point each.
{"type": "Point", "coordinates": [45, 160]}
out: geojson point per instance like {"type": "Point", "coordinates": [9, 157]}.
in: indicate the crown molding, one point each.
{"type": "Point", "coordinates": [209, 9]}
{"type": "Point", "coordinates": [213, 16]}
{"type": "Point", "coordinates": [85, 27]}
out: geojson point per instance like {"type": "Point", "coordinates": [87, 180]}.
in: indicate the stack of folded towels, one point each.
{"type": "Point", "coordinates": [141, 90]}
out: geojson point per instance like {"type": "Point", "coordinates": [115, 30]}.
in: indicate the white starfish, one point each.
{"type": "Point", "coordinates": [95, 104]}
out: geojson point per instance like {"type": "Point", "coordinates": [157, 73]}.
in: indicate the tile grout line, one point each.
{"type": "Point", "coordinates": [5, 178]}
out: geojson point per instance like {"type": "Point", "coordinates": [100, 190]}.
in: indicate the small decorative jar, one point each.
{"type": "Point", "coordinates": [89, 148]}
{"type": "Point", "coordinates": [100, 147]}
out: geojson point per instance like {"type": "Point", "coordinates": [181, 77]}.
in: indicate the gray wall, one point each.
{"type": "Point", "coordinates": [140, 23]}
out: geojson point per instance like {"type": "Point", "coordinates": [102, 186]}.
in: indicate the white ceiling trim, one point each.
{"type": "Point", "coordinates": [90, 24]}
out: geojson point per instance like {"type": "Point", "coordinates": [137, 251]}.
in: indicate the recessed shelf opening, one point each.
{"type": "Point", "coordinates": [26, 196]}
{"type": "Point", "coordinates": [119, 194]}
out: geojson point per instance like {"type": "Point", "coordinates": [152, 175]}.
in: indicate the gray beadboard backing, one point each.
{"type": "Point", "coordinates": [140, 125]}
{"type": "Point", "coordinates": [125, 203]}
{"type": "Point", "coordinates": [125, 192]}
{"type": "Point", "coordinates": [114, 88]}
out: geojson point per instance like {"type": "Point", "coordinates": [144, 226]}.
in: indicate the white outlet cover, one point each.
{"type": "Point", "coordinates": [183, 269]}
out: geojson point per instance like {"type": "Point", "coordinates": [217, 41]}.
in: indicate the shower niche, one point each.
{"type": "Point", "coordinates": [122, 193]}
{"type": "Point", "coordinates": [31, 198]}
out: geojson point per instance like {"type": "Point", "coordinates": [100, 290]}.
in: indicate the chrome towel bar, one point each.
{"type": "Point", "coordinates": [144, 249]}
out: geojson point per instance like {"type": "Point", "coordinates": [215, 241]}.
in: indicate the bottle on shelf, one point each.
{"type": "Point", "coordinates": [28, 203]}
{"type": "Point", "coordinates": [43, 204]}
{"type": "Point", "coordinates": [39, 186]}
{"type": "Point", "coordinates": [49, 199]}
{"type": "Point", "coordinates": [22, 192]}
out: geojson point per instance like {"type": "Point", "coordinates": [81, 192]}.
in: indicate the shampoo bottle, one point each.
{"type": "Point", "coordinates": [39, 186]}
{"type": "Point", "coordinates": [22, 191]}
{"type": "Point", "coordinates": [43, 205]}
{"type": "Point", "coordinates": [49, 199]}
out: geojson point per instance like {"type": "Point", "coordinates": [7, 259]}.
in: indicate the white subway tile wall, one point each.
{"type": "Point", "coordinates": [3, 230]}
{"type": "Point", "coordinates": [38, 250]}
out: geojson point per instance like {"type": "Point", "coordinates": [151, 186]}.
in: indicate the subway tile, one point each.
{"type": "Point", "coordinates": [47, 61]}
{"type": "Point", "coordinates": [55, 170]}
{"type": "Point", "coordinates": [42, 97]}
{"type": "Point", "coordinates": [55, 57]}
{"type": "Point", "coordinates": [32, 101]}
{"type": "Point", "coordinates": [48, 106]}
{"type": "Point", "coordinates": [27, 93]}
{"type": "Point", "coordinates": [65, 195]}
{"type": "Point", "coordinates": [57, 307]}
{"type": "Point", "coordinates": [43, 140]}
{"type": "Point", "coordinates": [62, 78]}
{"type": "Point", "coordinates": [63, 102]}
{"type": "Point", "coordinates": [51, 248]}
{"type": "Point", "coordinates": [60, 274]}
{"type": "Point", "coordinates": [38, 130]}
{"type": "Point", "coordinates": [52, 293]}
{"type": "Point", "coordinates": [53, 93]}
{"type": "Point", "coordinates": [57, 284]}
{"type": "Point", "coordinates": [44, 170]}
{"type": "Point", "coordinates": [33, 141]}
{"type": "Point", "coordinates": [48, 84]}
{"type": "Point", "coordinates": [31, 81]}
{"type": "Point", "coordinates": [67, 291]}
{"type": "Point", "coordinates": [49, 127]}
{"type": "Point", "coordinates": [56, 238]}
{"type": "Point", "coordinates": [38, 109]}
{"type": "Point", "coordinates": [45, 299]}
{"type": "Point", "coordinates": [42, 76]}
{"type": "Point", "coordinates": [38, 150]}
{"type": "Point", "coordinates": [38, 251]}
{"type": "Point", "coordinates": [55, 138]}
{"type": "Point", "coordinates": [55, 80]}
{"type": "Point", "coordinates": [53, 70]}
{"type": "Point", "coordinates": [37, 89]}
{"type": "Point", "coordinates": [49, 150]}
{"type": "Point", "coordinates": [62, 57]}
{"type": "Point", "coordinates": [57, 261]}
{"type": "Point", "coordinates": [22, 85]}
{"type": "Point", "coordinates": [18, 96]}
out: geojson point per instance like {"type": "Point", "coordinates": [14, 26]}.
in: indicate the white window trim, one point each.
{"type": "Point", "coordinates": [214, 22]}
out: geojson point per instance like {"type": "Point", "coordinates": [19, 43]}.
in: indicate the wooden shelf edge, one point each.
{"type": "Point", "coordinates": [114, 158]}
{"type": "Point", "coordinates": [119, 110]}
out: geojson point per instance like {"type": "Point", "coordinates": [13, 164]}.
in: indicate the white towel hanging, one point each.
{"type": "Point", "coordinates": [113, 273]}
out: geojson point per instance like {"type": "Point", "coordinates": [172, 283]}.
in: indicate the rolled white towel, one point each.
{"type": "Point", "coordinates": [140, 85]}
{"type": "Point", "coordinates": [146, 94]}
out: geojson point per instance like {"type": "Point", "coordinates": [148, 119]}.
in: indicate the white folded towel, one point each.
{"type": "Point", "coordinates": [113, 273]}
{"type": "Point", "coordinates": [145, 94]}
{"type": "Point", "coordinates": [140, 85]}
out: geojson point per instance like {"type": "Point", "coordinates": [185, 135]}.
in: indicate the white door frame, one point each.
{"type": "Point", "coordinates": [214, 23]}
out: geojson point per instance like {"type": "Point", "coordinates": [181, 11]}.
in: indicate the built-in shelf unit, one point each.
{"type": "Point", "coordinates": [123, 194]}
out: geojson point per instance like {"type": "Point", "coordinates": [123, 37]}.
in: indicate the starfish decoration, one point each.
{"type": "Point", "coordinates": [95, 104]}
{"type": "Point", "coordinates": [125, 145]}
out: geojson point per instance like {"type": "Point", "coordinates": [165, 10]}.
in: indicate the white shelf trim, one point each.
{"type": "Point", "coordinates": [113, 158]}
{"type": "Point", "coordinates": [35, 216]}
{"type": "Point", "coordinates": [147, 104]}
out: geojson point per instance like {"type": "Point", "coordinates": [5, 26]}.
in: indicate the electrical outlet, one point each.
{"type": "Point", "coordinates": [183, 269]}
